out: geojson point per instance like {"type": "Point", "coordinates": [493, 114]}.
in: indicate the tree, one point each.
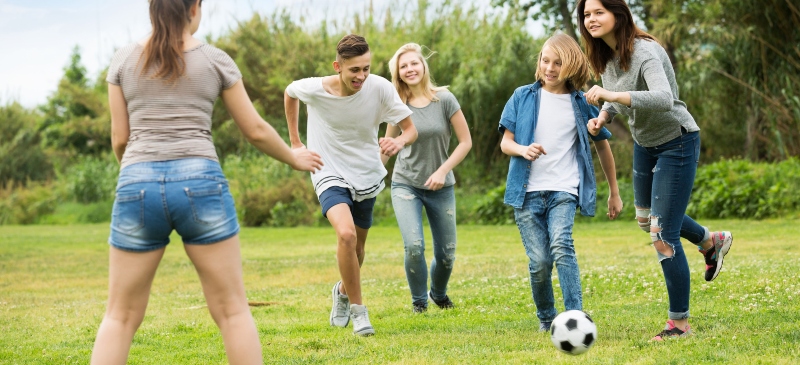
{"type": "Point", "coordinates": [556, 14]}
{"type": "Point", "coordinates": [76, 117]}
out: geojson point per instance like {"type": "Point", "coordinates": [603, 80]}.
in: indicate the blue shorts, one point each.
{"type": "Point", "coordinates": [189, 195]}
{"type": "Point", "coordinates": [361, 211]}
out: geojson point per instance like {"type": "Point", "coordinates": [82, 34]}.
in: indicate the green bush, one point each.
{"type": "Point", "coordinates": [742, 189]}
{"type": "Point", "coordinates": [24, 205]}
{"type": "Point", "coordinates": [91, 179]}
{"type": "Point", "coordinates": [490, 208]}
{"type": "Point", "coordinates": [270, 193]}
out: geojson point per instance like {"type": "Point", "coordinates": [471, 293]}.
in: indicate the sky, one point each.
{"type": "Point", "coordinates": [37, 36]}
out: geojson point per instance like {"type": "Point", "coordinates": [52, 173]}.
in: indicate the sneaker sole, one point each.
{"type": "Point", "coordinates": [365, 332]}
{"type": "Point", "coordinates": [334, 295]}
{"type": "Point", "coordinates": [726, 246]}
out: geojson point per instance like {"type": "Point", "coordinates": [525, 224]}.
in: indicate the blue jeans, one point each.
{"type": "Point", "coordinates": [188, 195]}
{"type": "Point", "coordinates": [663, 177]}
{"type": "Point", "coordinates": [440, 207]}
{"type": "Point", "coordinates": [545, 223]}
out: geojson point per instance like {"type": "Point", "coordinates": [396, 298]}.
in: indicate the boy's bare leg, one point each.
{"type": "Point", "coordinates": [349, 250]}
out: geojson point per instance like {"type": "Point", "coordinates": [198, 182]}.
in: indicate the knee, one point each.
{"type": "Point", "coordinates": [130, 319]}
{"type": "Point", "coordinates": [643, 218]}
{"type": "Point", "coordinates": [347, 237]}
{"type": "Point", "coordinates": [541, 269]}
{"type": "Point", "coordinates": [664, 249]}
{"type": "Point", "coordinates": [415, 248]}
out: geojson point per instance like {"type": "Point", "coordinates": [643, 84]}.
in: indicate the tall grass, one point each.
{"type": "Point", "coordinates": [53, 288]}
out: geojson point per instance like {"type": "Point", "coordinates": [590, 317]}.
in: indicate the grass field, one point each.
{"type": "Point", "coordinates": [53, 291]}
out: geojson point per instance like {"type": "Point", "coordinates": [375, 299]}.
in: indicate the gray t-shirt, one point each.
{"type": "Point", "coordinates": [171, 121]}
{"type": "Point", "coordinates": [656, 114]}
{"type": "Point", "coordinates": [417, 162]}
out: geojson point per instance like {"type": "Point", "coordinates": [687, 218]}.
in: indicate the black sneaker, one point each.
{"type": "Point", "coordinates": [545, 326]}
{"type": "Point", "coordinates": [420, 307]}
{"type": "Point", "coordinates": [714, 256]}
{"type": "Point", "coordinates": [444, 303]}
{"type": "Point", "coordinates": [671, 331]}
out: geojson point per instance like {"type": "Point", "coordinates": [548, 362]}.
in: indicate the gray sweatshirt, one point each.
{"type": "Point", "coordinates": [656, 114]}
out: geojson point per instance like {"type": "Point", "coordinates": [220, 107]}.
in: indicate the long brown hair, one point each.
{"type": "Point", "coordinates": [625, 32]}
{"type": "Point", "coordinates": [164, 49]}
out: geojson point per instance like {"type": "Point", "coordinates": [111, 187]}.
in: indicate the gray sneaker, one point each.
{"type": "Point", "coordinates": [361, 325]}
{"type": "Point", "coordinates": [340, 313]}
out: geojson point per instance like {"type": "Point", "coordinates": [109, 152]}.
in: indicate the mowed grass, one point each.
{"type": "Point", "coordinates": [53, 287]}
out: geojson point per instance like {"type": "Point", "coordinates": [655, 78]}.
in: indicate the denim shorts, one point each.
{"type": "Point", "coordinates": [189, 195]}
{"type": "Point", "coordinates": [362, 211]}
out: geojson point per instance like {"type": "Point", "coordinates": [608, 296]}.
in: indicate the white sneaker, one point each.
{"type": "Point", "coordinates": [361, 325]}
{"type": "Point", "coordinates": [340, 313]}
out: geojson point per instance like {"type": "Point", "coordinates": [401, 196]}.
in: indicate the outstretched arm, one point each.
{"type": "Point", "coordinates": [607, 162]}
{"type": "Point", "coordinates": [261, 135]}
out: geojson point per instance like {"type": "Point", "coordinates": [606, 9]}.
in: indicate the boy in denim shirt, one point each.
{"type": "Point", "coordinates": [551, 171]}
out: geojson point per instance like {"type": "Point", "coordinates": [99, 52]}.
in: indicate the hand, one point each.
{"type": "Point", "coordinates": [305, 160]}
{"type": "Point", "coordinates": [614, 206]}
{"type": "Point", "coordinates": [595, 125]}
{"type": "Point", "coordinates": [532, 152]}
{"type": "Point", "coordinates": [436, 181]}
{"type": "Point", "coordinates": [390, 146]}
{"type": "Point", "coordinates": [597, 95]}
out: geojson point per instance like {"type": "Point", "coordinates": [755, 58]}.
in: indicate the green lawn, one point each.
{"type": "Point", "coordinates": [53, 292]}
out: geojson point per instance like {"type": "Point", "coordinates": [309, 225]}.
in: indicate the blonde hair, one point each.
{"type": "Point", "coordinates": [429, 89]}
{"type": "Point", "coordinates": [574, 65]}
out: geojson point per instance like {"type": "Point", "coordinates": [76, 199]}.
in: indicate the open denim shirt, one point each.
{"type": "Point", "coordinates": [520, 116]}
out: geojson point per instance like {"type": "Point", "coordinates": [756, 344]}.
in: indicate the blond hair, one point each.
{"type": "Point", "coordinates": [574, 65]}
{"type": "Point", "coordinates": [429, 89]}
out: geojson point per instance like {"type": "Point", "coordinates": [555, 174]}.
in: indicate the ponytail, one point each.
{"type": "Point", "coordinates": [164, 50]}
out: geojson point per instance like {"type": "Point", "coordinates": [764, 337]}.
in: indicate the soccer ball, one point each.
{"type": "Point", "coordinates": [573, 332]}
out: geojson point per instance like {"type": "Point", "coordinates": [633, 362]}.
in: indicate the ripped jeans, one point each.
{"type": "Point", "coordinates": [545, 223]}
{"type": "Point", "coordinates": [663, 177]}
{"type": "Point", "coordinates": [440, 207]}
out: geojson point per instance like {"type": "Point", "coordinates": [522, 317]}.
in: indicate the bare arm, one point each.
{"type": "Point", "coordinates": [392, 131]}
{"type": "Point", "coordinates": [607, 162]}
{"type": "Point", "coordinates": [436, 180]}
{"type": "Point", "coordinates": [120, 124]}
{"type": "Point", "coordinates": [261, 135]}
{"type": "Point", "coordinates": [595, 124]}
{"type": "Point", "coordinates": [291, 107]}
{"type": "Point", "coordinates": [512, 148]}
{"type": "Point", "coordinates": [390, 146]}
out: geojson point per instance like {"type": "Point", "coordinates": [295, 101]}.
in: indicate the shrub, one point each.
{"type": "Point", "coordinates": [742, 189]}
{"type": "Point", "coordinates": [270, 193]}
{"type": "Point", "coordinates": [490, 208]}
{"type": "Point", "coordinates": [24, 205]}
{"type": "Point", "coordinates": [91, 179]}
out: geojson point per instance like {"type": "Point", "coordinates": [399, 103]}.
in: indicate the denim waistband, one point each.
{"type": "Point", "coordinates": [172, 170]}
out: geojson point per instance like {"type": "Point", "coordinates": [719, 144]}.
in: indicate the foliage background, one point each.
{"type": "Point", "coordinates": [738, 64]}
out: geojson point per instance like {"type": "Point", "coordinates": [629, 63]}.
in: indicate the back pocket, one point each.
{"type": "Point", "coordinates": [207, 203]}
{"type": "Point", "coordinates": [128, 211]}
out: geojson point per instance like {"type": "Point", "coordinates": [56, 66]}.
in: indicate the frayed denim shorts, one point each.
{"type": "Point", "coordinates": [189, 195]}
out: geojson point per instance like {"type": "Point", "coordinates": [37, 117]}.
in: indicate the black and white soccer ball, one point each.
{"type": "Point", "coordinates": [573, 332]}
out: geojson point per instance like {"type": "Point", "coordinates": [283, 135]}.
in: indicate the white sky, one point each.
{"type": "Point", "coordinates": [37, 36]}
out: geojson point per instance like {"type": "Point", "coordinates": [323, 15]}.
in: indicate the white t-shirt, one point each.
{"type": "Point", "coordinates": [344, 131]}
{"type": "Point", "coordinates": [557, 132]}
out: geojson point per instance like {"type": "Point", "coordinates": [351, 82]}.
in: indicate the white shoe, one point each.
{"type": "Point", "coordinates": [361, 325]}
{"type": "Point", "coordinates": [340, 313]}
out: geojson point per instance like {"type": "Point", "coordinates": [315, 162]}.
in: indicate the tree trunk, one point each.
{"type": "Point", "coordinates": [566, 19]}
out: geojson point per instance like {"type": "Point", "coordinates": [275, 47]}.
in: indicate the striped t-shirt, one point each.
{"type": "Point", "coordinates": [171, 121]}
